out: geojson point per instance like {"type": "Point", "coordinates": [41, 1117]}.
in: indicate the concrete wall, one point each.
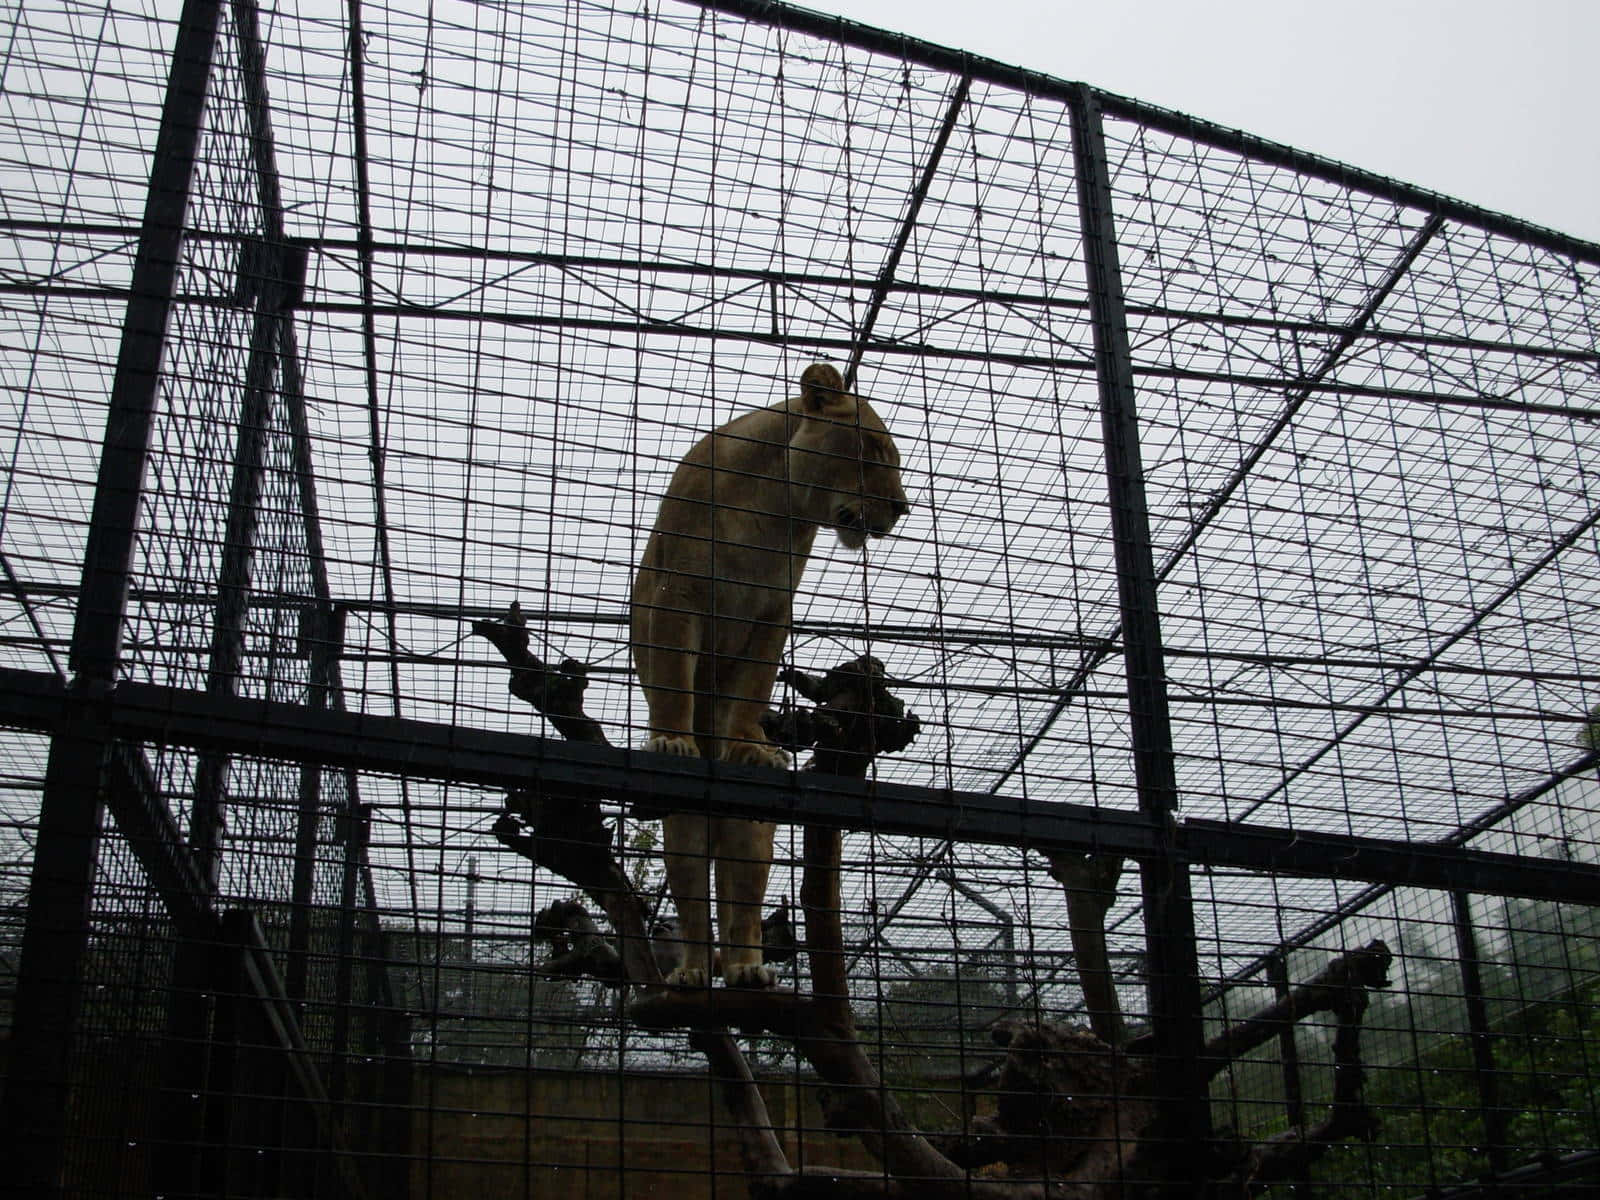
{"type": "Point", "coordinates": [586, 1135]}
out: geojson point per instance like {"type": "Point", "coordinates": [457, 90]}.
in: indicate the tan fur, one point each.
{"type": "Point", "coordinates": [712, 604]}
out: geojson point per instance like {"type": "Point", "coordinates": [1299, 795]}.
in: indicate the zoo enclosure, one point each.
{"type": "Point", "coordinates": [1257, 539]}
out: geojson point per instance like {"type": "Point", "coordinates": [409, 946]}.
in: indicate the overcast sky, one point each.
{"type": "Point", "coordinates": [1495, 102]}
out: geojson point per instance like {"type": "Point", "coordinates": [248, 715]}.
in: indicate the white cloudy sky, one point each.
{"type": "Point", "coordinates": [1491, 101]}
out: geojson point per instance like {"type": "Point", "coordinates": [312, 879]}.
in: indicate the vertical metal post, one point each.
{"type": "Point", "coordinates": [1489, 1109]}
{"type": "Point", "coordinates": [322, 626]}
{"type": "Point", "coordinates": [357, 827]}
{"type": "Point", "coordinates": [470, 977]}
{"type": "Point", "coordinates": [389, 1043]}
{"type": "Point", "coordinates": [292, 259]}
{"type": "Point", "coordinates": [50, 984]}
{"type": "Point", "coordinates": [1174, 987]}
{"type": "Point", "coordinates": [322, 629]}
{"type": "Point", "coordinates": [1289, 1057]}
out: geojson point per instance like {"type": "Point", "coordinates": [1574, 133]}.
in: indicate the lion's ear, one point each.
{"type": "Point", "coordinates": [821, 388]}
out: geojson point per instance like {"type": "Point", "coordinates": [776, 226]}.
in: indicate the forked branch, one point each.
{"type": "Point", "coordinates": [1072, 1106]}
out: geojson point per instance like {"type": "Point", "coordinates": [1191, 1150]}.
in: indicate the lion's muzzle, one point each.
{"type": "Point", "coordinates": [855, 523]}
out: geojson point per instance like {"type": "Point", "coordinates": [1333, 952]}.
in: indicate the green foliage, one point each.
{"type": "Point", "coordinates": [1548, 1081]}
{"type": "Point", "coordinates": [1541, 981]}
{"type": "Point", "coordinates": [1589, 734]}
{"type": "Point", "coordinates": [1541, 984]}
{"type": "Point", "coordinates": [646, 865]}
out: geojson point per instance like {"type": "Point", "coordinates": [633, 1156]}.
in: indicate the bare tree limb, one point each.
{"type": "Point", "coordinates": [1073, 1105]}
{"type": "Point", "coordinates": [554, 691]}
{"type": "Point", "coordinates": [759, 1148]}
{"type": "Point", "coordinates": [819, 899]}
{"type": "Point", "coordinates": [564, 833]}
{"type": "Point", "coordinates": [576, 947]}
{"type": "Point", "coordinates": [1340, 988]}
{"type": "Point", "coordinates": [1090, 883]}
{"type": "Point", "coordinates": [562, 830]}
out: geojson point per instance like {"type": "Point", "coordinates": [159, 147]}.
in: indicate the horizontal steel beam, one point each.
{"type": "Point", "coordinates": [616, 615]}
{"type": "Point", "coordinates": [843, 347]}
{"type": "Point", "coordinates": [1439, 865]}
{"type": "Point", "coordinates": [1021, 638]}
{"type": "Point", "coordinates": [400, 746]}
{"type": "Point", "coordinates": [575, 264]}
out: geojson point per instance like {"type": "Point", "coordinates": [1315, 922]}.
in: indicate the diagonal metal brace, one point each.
{"type": "Point", "coordinates": [880, 291]}
{"type": "Point", "coordinates": [134, 798]}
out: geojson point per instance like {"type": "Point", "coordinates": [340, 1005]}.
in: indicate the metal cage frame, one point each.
{"type": "Point", "coordinates": [125, 742]}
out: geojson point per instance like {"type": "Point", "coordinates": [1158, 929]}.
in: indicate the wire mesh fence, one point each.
{"type": "Point", "coordinates": [1239, 823]}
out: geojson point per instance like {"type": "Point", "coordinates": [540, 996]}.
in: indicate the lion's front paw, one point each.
{"type": "Point", "coordinates": [687, 977]}
{"type": "Point", "coordinates": [756, 754]}
{"type": "Point", "coordinates": [750, 975]}
{"type": "Point", "coordinates": [663, 743]}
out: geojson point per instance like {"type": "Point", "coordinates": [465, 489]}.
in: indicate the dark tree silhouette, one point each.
{"type": "Point", "coordinates": [1076, 1106]}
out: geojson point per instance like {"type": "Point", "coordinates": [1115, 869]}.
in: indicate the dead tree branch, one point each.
{"type": "Point", "coordinates": [556, 692]}
{"type": "Point", "coordinates": [1340, 988]}
{"type": "Point", "coordinates": [759, 1148]}
{"type": "Point", "coordinates": [577, 948]}
{"type": "Point", "coordinates": [1073, 1105]}
{"type": "Point", "coordinates": [1090, 883]}
{"type": "Point", "coordinates": [562, 830]}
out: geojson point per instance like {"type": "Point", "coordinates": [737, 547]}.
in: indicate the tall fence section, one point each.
{"type": "Point", "coordinates": [1239, 822]}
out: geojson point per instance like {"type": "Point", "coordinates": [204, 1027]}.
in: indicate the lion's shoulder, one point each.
{"type": "Point", "coordinates": [759, 433]}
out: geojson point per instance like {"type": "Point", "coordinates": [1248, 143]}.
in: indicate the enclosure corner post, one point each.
{"type": "Point", "coordinates": [1490, 1110]}
{"type": "Point", "coordinates": [1174, 990]}
{"type": "Point", "coordinates": [1294, 1108]}
{"type": "Point", "coordinates": [50, 978]}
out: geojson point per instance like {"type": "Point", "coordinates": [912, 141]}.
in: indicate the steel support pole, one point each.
{"type": "Point", "coordinates": [269, 271]}
{"type": "Point", "coordinates": [50, 984]}
{"type": "Point", "coordinates": [1483, 1064]}
{"type": "Point", "coordinates": [1289, 1055]}
{"type": "Point", "coordinates": [292, 256]}
{"type": "Point", "coordinates": [323, 632]}
{"type": "Point", "coordinates": [356, 826]}
{"type": "Point", "coordinates": [322, 625]}
{"type": "Point", "coordinates": [1174, 984]}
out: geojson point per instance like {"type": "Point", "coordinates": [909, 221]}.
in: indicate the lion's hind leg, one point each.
{"type": "Point", "coordinates": [754, 749]}
{"type": "Point", "coordinates": [666, 655]}
{"type": "Point", "coordinates": [744, 859]}
{"type": "Point", "coordinates": [686, 844]}
{"type": "Point", "coordinates": [744, 691]}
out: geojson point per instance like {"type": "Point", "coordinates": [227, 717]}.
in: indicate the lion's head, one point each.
{"type": "Point", "coordinates": [843, 467]}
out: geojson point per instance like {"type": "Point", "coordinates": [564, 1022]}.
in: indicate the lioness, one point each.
{"type": "Point", "coordinates": [712, 604]}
